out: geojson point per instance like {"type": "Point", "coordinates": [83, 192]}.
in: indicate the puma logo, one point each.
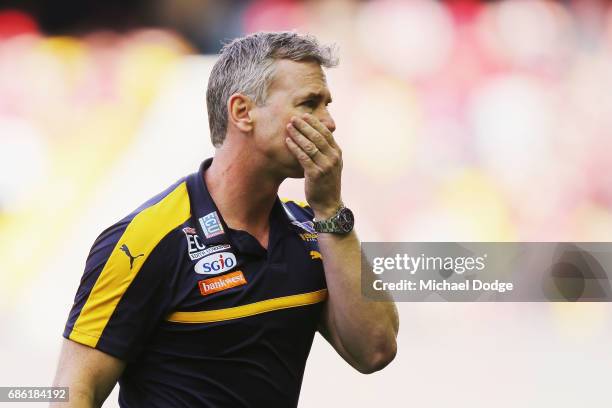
{"type": "Point", "coordinates": [125, 249]}
{"type": "Point", "coordinates": [315, 255]}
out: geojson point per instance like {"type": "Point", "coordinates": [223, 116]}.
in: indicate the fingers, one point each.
{"type": "Point", "coordinates": [312, 148]}
{"type": "Point", "coordinates": [301, 155]}
{"type": "Point", "coordinates": [321, 128]}
{"type": "Point", "coordinates": [312, 129]}
{"type": "Point", "coordinates": [305, 144]}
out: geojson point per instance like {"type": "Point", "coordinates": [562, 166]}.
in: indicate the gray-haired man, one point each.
{"type": "Point", "coordinates": [210, 293]}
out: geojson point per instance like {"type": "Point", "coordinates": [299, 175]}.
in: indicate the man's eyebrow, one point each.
{"type": "Point", "coordinates": [318, 96]}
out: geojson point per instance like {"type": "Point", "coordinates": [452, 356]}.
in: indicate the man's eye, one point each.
{"type": "Point", "coordinates": [310, 103]}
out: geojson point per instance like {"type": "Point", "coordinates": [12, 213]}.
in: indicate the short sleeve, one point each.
{"type": "Point", "coordinates": [298, 210]}
{"type": "Point", "coordinates": [122, 296]}
{"type": "Point", "coordinates": [126, 287]}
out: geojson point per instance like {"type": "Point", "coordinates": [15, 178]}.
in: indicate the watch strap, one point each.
{"type": "Point", "coordinates": [333, 224]}
{"type": "Point", "coordinates": [328, 225]}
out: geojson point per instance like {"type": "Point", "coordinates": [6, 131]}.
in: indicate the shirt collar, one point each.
{"type": "Point", "coordinates": [211, 226]}
{"type": "Point", "coordinates": [206, 215]}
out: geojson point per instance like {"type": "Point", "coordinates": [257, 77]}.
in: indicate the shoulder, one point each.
{"type": "Point", "coordinates": [298, 210]}
{"type": "Point", "coordinates": [126, 266]}
{"type": "Point", "coordinates": [143, 229]}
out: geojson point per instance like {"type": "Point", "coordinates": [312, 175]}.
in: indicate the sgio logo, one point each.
{"type": "Point", "coordinates": [216, 263]}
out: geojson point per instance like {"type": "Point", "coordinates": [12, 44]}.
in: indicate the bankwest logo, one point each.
{"type": "Point", "coordinates": [219, 283]}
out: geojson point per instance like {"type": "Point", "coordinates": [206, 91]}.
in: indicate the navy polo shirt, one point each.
{"type": "Point", "coordinates": [202, 314]}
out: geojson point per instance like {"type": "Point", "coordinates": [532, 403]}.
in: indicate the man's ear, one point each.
{"type": "Point", "coordinates": [239, 111]}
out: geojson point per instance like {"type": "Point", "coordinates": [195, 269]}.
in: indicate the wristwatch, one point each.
{"type": "Point", "coordinates": [340, 223]}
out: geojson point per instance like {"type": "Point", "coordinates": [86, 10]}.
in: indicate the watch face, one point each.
{"type": "Point", "coordinates": [346, 220]}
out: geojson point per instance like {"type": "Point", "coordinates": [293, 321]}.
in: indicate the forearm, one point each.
{"type": "Point", "coordinates": [89, 374]}
{"type": "Point", "coordinates": [366, 329]}
{"type": "Point", "coordinates": [79, 396]}
{"type": "Point", "coordinates": [76, 400]}
{"type": "Point", "coordinates": [356, 328]}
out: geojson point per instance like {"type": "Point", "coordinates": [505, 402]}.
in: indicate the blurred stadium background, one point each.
{"type": "Point", "coordinates": [460, 120]}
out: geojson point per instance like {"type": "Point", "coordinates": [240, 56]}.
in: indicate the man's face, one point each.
{"type": "Point", "coordinates": [296, 88]}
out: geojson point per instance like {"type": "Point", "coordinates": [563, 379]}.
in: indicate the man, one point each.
{"type": "Point", "coordinates": [209, 294]}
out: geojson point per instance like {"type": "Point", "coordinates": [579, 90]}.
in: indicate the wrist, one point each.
{"type": "Point", "coordinates": [324, 213]}
{"type": "Point", "coordinates": [340, 222]}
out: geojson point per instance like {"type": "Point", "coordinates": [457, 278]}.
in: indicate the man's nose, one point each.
{"type": "Point", "coordinates": [326, 119]}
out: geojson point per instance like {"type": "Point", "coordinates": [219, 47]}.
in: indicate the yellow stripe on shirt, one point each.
{"type": "Point", "coordinates": [299, 203]}
{"type": "Point", "coordinates": [141, 236]}
{"type": "Point", "coordinates": [269, 305]}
